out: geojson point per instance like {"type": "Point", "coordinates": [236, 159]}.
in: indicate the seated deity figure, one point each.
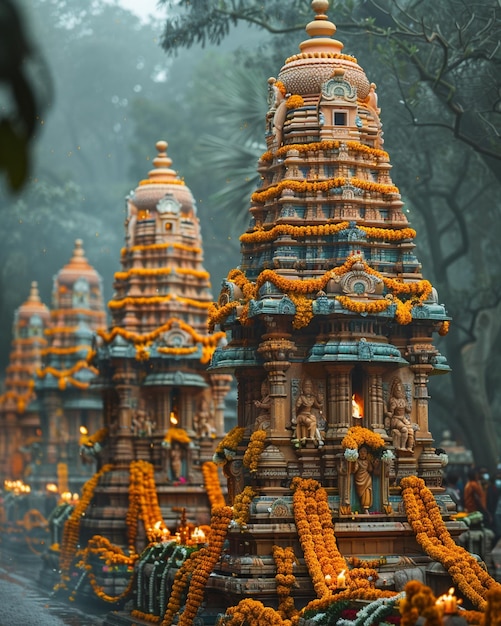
{"type": "Point", "coordinates": [397, 417]}
{"type": "Point", "coordinates": [306, 418]}
{"type": "Point", "coordinates": [263, 420]}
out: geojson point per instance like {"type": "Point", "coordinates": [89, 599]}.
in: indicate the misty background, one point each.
{"type": "Point", "coordinates": [108, 84]}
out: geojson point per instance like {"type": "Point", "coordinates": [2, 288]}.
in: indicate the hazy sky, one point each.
{"type": "Point", "coordinates": [143, 8]}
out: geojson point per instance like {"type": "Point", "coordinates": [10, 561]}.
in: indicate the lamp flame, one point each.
{"type": "Point", "coordinates": [356, 408]}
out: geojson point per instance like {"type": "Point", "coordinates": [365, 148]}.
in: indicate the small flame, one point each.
{"type": "Point", "coordinates": [173, 418]}
{"type": "Point", "coordinates": [83, 430]}
{"type": "Point", "coordinates": [356, 408]}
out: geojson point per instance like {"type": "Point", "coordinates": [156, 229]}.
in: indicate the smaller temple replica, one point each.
{"type": "Point", "coordinates": [69, 407]}
{"type": "Point", "coordinates": [20, 425]}
{"type": "Point", "coordinates": [163, 411]}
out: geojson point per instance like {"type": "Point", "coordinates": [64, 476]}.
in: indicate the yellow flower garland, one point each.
{"type": "Point", "coordinates": [209, 342]}
{"type": "Point", "coordinates": [358, 436]}
{"type": "Point", "coordinates": [254, 450]}
{"type": "Point", "coordinates": [432, 535]}
{"type": "Point", "coordinates": [417, 291]}
{"type": "Point", "coordinates": [212, 484]}
{"type": "Point", "coordinates": [176, 434]}
{"type": "Point", "coordinates": [71, 529]}
{"type": "Point", "coordinates": [241, 506]}
{"type": "Point", "coordinates": [323, 146]}
{"type": "Point", "coordinates": [160, 246]}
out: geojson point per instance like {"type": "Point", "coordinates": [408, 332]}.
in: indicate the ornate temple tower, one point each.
{"type": "Point", "coordinates": [161, 404]}
{"type": "Point", "coordinates": [19, 419]}
{"type": "Point", "coordinates": [329, 324]}
{"type": "Point", "coordinates": [63, 383]}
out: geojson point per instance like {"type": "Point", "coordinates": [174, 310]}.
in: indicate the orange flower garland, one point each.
{"type": "Point", "coordinates": [208, 342]}
{"type": "Point", "coordinates": [312, 187]}
{"type": "Point", "coordinates": [226, 449]}
{"type": "Point", "coordinates": [432, 535]}
{"type": "Point", "coordinates": [241, 506]}
{"type": "Point", "coordinates": [355, 146]}
{"type": "Point", "coordinates": [71, 529]}
{"type": "Point", "coordinates": [316, 534]}
{"type": "Point", "coordinates": [206, 559]}
{"type": "Point", "coordinates": [254, 450]}
{"type": "Point", "coordinates": [417, 292]}
{"type": "Point", "coordinates": [212, 484]}
{"type": "Point", "coordinates": [176, 434]}
{"type": "Point", "coordinates": [358, 436]}
{"type": "Point", "coordinates": [294, 102]}
{"type": "Point", "coordinates": [285, 559]}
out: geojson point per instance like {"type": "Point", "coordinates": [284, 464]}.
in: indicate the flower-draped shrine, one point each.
{"type": "Point", "coordinates": [332, 474]}
{"type": "Point", "coordinates": [163, 411]}
{"type": "Point", "coordinates": [334, 500]}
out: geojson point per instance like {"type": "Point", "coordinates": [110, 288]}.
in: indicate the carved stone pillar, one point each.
{"type": "Point", "coordinates": [376, 402]}
{"type": "Point", "coordinates": [276, 350]}
{"type": "Point", "coordinates": [220, 385]}
{"type": "Point", "coordinates": [124, 451]}
{"type": "Point", "coordinates": [339, 399]}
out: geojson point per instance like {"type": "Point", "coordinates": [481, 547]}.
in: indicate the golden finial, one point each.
{"type": "Point", "coordinates": [321, 30]}
{"type": "Point", "coordinates": [162, 163]}
{"type": "Point", "coordinates": [34, 295]}
{"type": "Point", "coordinates": [162, 160]}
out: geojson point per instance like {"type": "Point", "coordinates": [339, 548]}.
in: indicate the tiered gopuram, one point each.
{"type": "Point", "coordinates": [20, 435]}
{"type": "Point", "coordinates": [161, 405]}
{"type": "Point", "coordinates": [330, 327]}
{"type": "Point", "coordinates": [69, 406]}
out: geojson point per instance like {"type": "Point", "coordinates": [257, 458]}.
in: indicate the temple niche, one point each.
{"type": "Point", "coordinates": [69, 406]}
{"type": "Point", "coordinates": [20, 434]}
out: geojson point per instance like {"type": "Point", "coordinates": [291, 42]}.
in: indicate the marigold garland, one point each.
{"type": "Point", "coordinates": [323, 146]}
{"type": "Point", "coordinates": [432, 535]}
{"type": "Point", "coordinates": [208, 342]}
{"type": "Point", "coordinates": [212, 484]}
{"type": "Point", "coordinates": [254, 450]}
{"type": "Point", "coordinates": [358, 436]}
{"type": "Point", "coordinates": [160, 246]}
{"type": "Point", "coordinates": [226, 449]}
{"type": "Point", "coordinates": [204, 561]}
{"type": "Point", "coordinates": [312, 187]}
{"type": "Point", "coordinates": [71, 530]}
{"type": "Point", "coordinates": [285, 560]}
{"type": "Point", "coordinates": [241, 506]}
{"type": "Point", "coordinates": [294, 102]}
{"type": "Point", "coordinates": [416, 291]}
{"type": "Point", "coordinates": [444, 328]}
{"type": "Point", "coordinates": [161, 180]}
{"type": "Point", "coordinates": [176, 434]}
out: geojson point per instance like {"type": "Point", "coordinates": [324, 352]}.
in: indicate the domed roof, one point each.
{"type": "Point", "coordinates": [320, 58]}
{"type": "Point", "coordinates": [78, 267]}
{"type": "Point", "coordinates": [163, 190]}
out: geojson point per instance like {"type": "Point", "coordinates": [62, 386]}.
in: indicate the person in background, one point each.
{"type": "Point", "coordinates": [453, 490]}
{"type": "Point", "coordinates": [492, 497]}
{"type": "Point", "coordinates": [474, 495]}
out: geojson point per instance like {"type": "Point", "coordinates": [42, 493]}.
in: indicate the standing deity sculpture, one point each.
{"type": "Point", "coordinates": [305, 422]}
{"type": "Point", "coordinates": [363, 469]}
{"type": "Point", "coordinates": [203, 421]}
{"type": "Point", "coordinates": [397, 417]}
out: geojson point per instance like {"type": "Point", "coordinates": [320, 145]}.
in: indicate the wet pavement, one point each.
{"type": "Point", "coordinates": [24, 603]}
